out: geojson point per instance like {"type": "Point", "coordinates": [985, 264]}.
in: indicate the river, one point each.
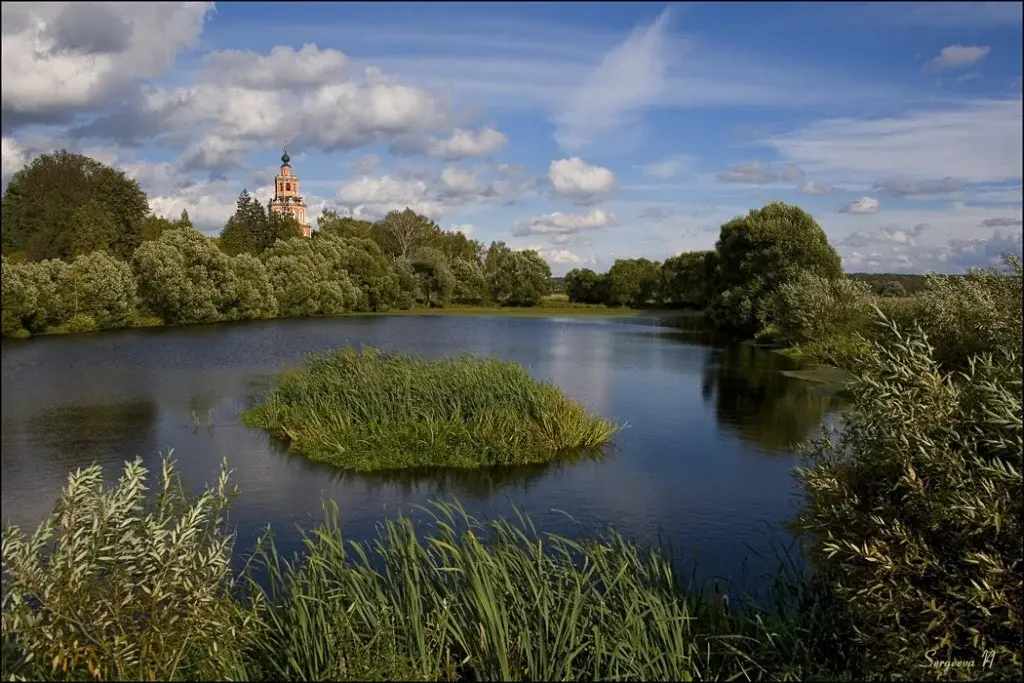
{"type": "Point", "coordinates": [704, 464]}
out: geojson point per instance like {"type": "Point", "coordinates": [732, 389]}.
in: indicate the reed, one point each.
{"type": "Point", "coordinates": [366, 410]}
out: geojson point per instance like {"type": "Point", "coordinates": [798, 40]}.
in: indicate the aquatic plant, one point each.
{"type": "Point", "coordinates": [367, 410]}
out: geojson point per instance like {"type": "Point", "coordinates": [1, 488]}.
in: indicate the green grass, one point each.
{"type": "Point", "coordinates": [372, 411]}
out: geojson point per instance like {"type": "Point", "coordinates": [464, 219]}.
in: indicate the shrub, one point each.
{"type": "Point", "coordinates": [253, 294]}
{"type": "Point", "coordinates": [915, 504]}
{"type": "Point", "coordinates": [100, 287]}
{"type": "Point", "coordinates": [811, 307]}
{"type": "Point", "coordinates": [122, 585]}
{"type": "Point", "coordinates": [309, 278]}
{"type": "Point", "coordinates": [373, 411]}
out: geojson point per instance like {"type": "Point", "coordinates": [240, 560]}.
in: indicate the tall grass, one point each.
{"type": "Point", "coordinates": [105, 591]}
{"type": "Point", "coordinates": [368, 410]}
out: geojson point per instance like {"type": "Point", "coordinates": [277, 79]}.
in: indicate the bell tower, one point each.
{"type": "Point", "coordinates": [286, 195]}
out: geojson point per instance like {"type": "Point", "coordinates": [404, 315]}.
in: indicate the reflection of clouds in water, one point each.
{"type": "Point", "coordinates": [581, 364]}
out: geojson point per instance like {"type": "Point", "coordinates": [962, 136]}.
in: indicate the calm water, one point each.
{"type": "Point", "coordinates": [705, 463]}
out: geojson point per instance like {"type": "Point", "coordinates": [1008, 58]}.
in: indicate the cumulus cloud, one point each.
{"type": "Point", "coordinates": [12, 159]}
{"type": "Point", "coordinates": [461, 144]}
{"type": "Point", "coordinates": [558, 223]}
{"type": "Point", "coordinates": [953, 256]}
{"type": "Point", "coordinates": [815, 188]}
{"type": "Point", "coordinates": [977, 142]}
{"type": "Point", "coordinates": [896, 187]}
{"type": "Point", "coordinates": [283, 68]}
{"type": "Point", "coordinates": [955, 56]}
{"type": "Point", "coordinates": [580, 182]}
{"type": "Point", "coordinates": [862, 205]}
{"type": "Point", "coordinates": [629, 78]}
{"type": "Point", "coordinates": [60, 58]}
{"type": "Point", "coordinates": [758, 173]}
{"type": "Point", "coordinates": [366, 165]}
{"type": "Point", "coordinates": [890, 234]}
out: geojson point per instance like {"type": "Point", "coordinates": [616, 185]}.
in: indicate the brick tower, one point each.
{"type": "Point", "coordinates": [286, 195]}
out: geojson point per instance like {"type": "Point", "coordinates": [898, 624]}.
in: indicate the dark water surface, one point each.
{"type": "Point", "coordinates": [705, 462]}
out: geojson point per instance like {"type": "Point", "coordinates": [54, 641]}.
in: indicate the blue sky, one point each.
{"type": "Point", "coordinates": [587, 131]}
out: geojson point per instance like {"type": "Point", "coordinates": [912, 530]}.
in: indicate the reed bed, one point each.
{"type": "Point", "coordinates": [118, 585]}
{"type": "Point", "coordinates": [366, 410]}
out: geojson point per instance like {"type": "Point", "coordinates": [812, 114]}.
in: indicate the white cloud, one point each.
{"type": "Point", "coordinates": [59, 57]}
{"type": "Point", "coordinates": [559, 223]}
{"type": "Point", "coordinates": [366, 165]}
{"type": "Point", "coordinates": [955, 56]}
{"type": "Point", "coordinates": [815, 188]}
{"type": "Point", "coordinates": [862, 205]}
{"type": "Point", "coordinates": [897, 187]}
{"type": "Point", "coordinates": [562, 256]}
{"type": "Point", "coordinates": [382, 191]}
{"type": "Point", "coordinates": [465, 229]}
{"type": "Point", "coordinates": [12, 159]}
{"type": "Point", "coordinates": [283, 68]}
{"type": "Point", "coordinates": [978, 141]}
{"type": "Point", "coordinates": [580, 182]}
{"type": "Point", "coordinates": [758, 173]}
{"type": "Point", "coordinates": [459, 181]}
{"type": "Point", "coordinates": [461, 144]}
{"type": "Point", "coordinates": [629, 78]}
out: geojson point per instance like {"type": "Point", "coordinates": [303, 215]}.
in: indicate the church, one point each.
{"type": "Point", "coordinates": [286, 195]}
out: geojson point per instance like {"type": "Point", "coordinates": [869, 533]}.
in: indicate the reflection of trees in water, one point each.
{"type": "Point", "coordinates": [79, 435]}
{"type": "Point", "coordinates": [754, 398]}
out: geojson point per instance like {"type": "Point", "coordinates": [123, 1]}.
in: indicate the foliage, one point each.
{"type": "Point", "coordinates": [811, 307]}
{"type": "Point", "coordinates": [891, 288]}
{"type": "Point", "coordinates": [889, 284]}
{"type": "Point", "coordinates": [184, 279]}
{"type": "Point", "coordinates": [367, 411]}
{"type": "Point", "coordinates": [331, 224]}
{"type": "Point", "coordinates": [63, 204]}
{"type": "Point", "coordinates": [122, 585]}
{"type": "Point", "coordinates": [253, 229]}
{"type": "Point", "coordinates": [153, 226]}
{"type": "Point", "coordinates": [516, 278]}
{"type": "Point", "coordinates": [684, 279]}
{"type": "Point", "coordinates": [470, 283]}
{"type": "Point", "coordinates": [456, 245]}
{"type": "Point", "coordinates": [100, 287]}
{"type": "Point", "coordinates": [401, 233]}
{"type": "Point", "coordinates": [633, 282]}
{"type": "Point", "coordinates": [309, 277]}
{"type": "Point", "coordinates": [253, 294]}
{"type": "Point", "coordinates": [759, 252]}
{"type": "Point", "coordinates": [436, 280]}
{"type": "Point", "coordinates": [915, 505]}
{"type": "Point", "coordinates": [585, 286]}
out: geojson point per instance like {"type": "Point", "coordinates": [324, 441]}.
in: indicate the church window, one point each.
{"type": "Point", "coordinates": [287, 187]}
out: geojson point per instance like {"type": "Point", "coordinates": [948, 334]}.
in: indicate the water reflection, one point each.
{"type": "Point", "coordinates": [751, 396]}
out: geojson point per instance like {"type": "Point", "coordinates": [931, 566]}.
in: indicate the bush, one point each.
{"type": "Point", "coordinates": [811, 307]}
{"type": "Point", "coordinates": [370, 411]}
{"type": "Point", "coordinates": [122, 585]}
{"type": "Point", "coordinates": [915, 504]}
{"type": "Point", "coordinates": [100, 287]}
{"type": "Point", "coordinates": [309, 278]}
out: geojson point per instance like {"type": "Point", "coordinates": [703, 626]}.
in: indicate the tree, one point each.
{"type": "Point", "coordinates": [401, 233]}
{"type": "Point", "coordinates": [330, 223]}
{"type": "Point", "coordinates": [65, 204]}
{"type": "Point", "coordinates": [435, 277]}
{"type": "Point", "coordinates": [309, 278]}
{"type": "Point", "coordinates": [585, 286]}
{"type": "Point", "coordinates": [497, 252]}
{"type": "Point", "coordinates": [684, 279]}
{"type": "Point", "coordinates": [184, 278]}
{"type": "Point", "coordinates": [759, 252]}
{"type": "Point", "coordinates": [470, 283]}
{"type": "Point", "coordinates": [253, 295]}
{"type": "Point", "coordinates": [891, 288]}
{"type": "Point", "coordinates": [633, 282]}
{"type": "Point", "coordinates": [519, 278]}
{"type": "Point", "coordinates": [101, 287]}
{"type": "Point", "coordinates": [456, 245]}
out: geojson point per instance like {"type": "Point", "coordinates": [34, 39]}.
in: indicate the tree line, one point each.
{"type": "Point", "coordinates": [81, 251]}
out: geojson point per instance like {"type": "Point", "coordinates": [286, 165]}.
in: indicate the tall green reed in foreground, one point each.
{"type": "Point", "coordinates": [367, 410]}
{"type": "Point", "coordinates": [119, 586]}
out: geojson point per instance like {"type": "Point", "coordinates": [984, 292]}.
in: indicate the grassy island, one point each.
{"type": "Point", "coordinates": [367, 410]}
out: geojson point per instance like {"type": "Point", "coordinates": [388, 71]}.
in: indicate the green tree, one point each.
{"type": "Point", "coordinates": [437, 283]}
{"type": "Point", "coordinates": [518, 278]}
{"type": "Point", "coordinates": [330, 223]}
{"type": "Point", "coordinates": [184, 278]}
{"type": "Point", "coordinates": [633, 282]}
{"type": "Point", "coordinates": [240, 233]}
{"type": "Point", "coordinates": [101, 287]}
{"type": "Point", "coordinates": [65, 204]}
{"type": "Point", "coordinates": [684, 279]}
{"type": "Point", "coordinates": [401, 233]}
{"type": "Point", "coordinates": [585, 286]}
{"type": "Point", "coordinates": [891, 288]}
{"type": "Point", "coordinates": [309, 278]}
{"type": "Point", "coordinates": [470, 283]}
{"type": "Point", "coordinates": [759, 252]}
{"type": "Point", "coordinates": [456, 245]}
{"type": "Point", "coordinates": [253, 295]}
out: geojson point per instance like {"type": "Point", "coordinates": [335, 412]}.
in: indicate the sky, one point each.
{"type": "Point", "coordinates": [586, 131]}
